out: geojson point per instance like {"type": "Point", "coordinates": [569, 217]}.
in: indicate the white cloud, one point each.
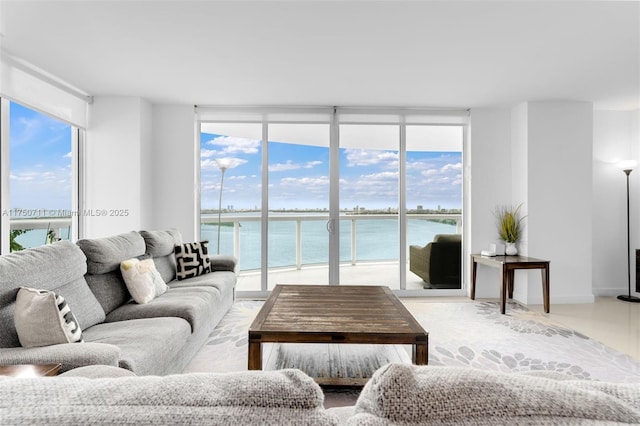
{"type": "Point", "coordinates": [361, 157]}
{"type": "Point", "coordinates": [449, 167]}
{"type": "Point", "coordinates": [230, 145]}
{"type": "Point", "coordinates": [289, 165]}
{"type": "Point", "coordinates": [382, 176]}
{"type": "Point", "coordinates": [306, 181]}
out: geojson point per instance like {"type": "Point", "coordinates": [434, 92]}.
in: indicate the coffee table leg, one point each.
{"type": "Point", "coordinates": [255, 355]}
{"type": "Point", "coordinates": [421, 353]}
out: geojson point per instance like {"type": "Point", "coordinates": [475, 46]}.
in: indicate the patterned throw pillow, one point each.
{"type": "Point", "coordinates": [192, 259]}
{"type": "Point", "coordinates": [43, 318]}
{"type": "Point", "coordinates": [142, 279]}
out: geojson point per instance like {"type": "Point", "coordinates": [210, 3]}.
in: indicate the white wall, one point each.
{"type": "Point", "coordinates": [490, 185]}
{"type": "Point", "coordinates": [559, 222]}
{"type": "Point", "coordinates": [615, 138]}
{"type": "Point", "coordinates": [114, 201]}
{"type": "Point", "coordinates": [539, 154]}
{"type": "Point", "coordinates": [143, 158]}
{"type": "Point", "coordinates": [173, 155]}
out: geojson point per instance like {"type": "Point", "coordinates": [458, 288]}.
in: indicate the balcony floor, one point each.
{"type": "Point", "coordinates": [360, 274]}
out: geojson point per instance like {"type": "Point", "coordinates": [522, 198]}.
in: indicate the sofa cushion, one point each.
{"type": "Point", "coordinates": [223, 281]}
{"type": "Point", "coordinates": [103, 266]}
{"type": "Point", "coordinates": [408, 394]}
{"type": "Point", "coordinates": [285, 397]}
{"type": "Point", "coordinates": [142, 279]}
{"type": "Point", "coordinates": [105, 254]}
{"type": "Point", "coordinates": [193, 304]}
{"type": "Point", "coordinates": [192, 259]}
{"type": "Point", "coordinates": [58, 267]}
{"type": "Point", "coordinates": [98, 371]}
{"type": "Point", "coordinates": [160, 246]}
{"type": "Point", "coordinates": [147, 346]}
{"type": "Point", "coordinates": [43, 318]}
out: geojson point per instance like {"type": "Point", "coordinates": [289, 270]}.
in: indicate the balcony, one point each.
{"type": "Point", "coordinates": [298, 246]}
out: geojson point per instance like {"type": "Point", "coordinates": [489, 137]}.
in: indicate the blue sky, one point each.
{"type": "Point", "coordinates": [299, 176]}
{"type": "Point", "coordinates": [41, 176]}
{"type": "Point", "coordinates": [40, 160]}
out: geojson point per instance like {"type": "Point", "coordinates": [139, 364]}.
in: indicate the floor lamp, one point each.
{"type": "Point", "coordinates": [223, 164]}
{"type": "Point", "coordinates": [627, 167]}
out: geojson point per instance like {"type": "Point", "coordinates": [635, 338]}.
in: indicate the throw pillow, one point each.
{"type": "Point", "coordinates": [43, 318]}
{"type": "Point", "coordinates": [192, 259]}
{"type": "Point", "coordinates": [142, 279]}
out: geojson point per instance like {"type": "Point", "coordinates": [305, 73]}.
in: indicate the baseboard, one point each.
{"type": "Point", "coordinates": [560, 300]}
{"type": "Point", "coordinates": [611, 292]}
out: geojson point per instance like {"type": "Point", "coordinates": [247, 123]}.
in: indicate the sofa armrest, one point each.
{"type": "Point", "coordinates": [70, 355]}
{"type": "Point", "coordinates": [220, 262]}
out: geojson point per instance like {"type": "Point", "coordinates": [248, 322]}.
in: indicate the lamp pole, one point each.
{"type": "Point", "coordinates": [223, 165]}
{"type": "Point", "coordinates": [627, 167]}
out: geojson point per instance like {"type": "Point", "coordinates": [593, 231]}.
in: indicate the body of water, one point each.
{"type": "Point", "coordinates": [376, 240]}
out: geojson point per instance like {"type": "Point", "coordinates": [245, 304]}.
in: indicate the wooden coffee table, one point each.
{"type": "Point", "coordinates": [335, 314]}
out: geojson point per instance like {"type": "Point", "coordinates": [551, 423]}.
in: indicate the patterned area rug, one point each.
{"type": "Point", "coordinates": [471, 335]}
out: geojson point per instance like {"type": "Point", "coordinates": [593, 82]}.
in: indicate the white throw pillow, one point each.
{"type": "Point", "coordinates": [142, 279]}
{"type": "Point", "coordinates": [43, 318]}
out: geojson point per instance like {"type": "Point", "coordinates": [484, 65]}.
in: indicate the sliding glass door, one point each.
{"type": "Point", "coordinates": [434, 202]}
{"type": "Point", "coordinates": [369, 182]}
{"type": "Point", "coordinates": [341, 198]}
{"type": "Point", "coordinates": [298, 204]}
{"type": "Point", "coordinates": [230, 195]}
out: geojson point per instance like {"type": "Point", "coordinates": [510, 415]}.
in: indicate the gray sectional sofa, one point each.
{"type": "Point", "coordinates": [395, 395]}
{"type": "Point", "coordinates": [156, 338]}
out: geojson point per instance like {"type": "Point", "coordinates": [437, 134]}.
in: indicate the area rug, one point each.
{"type": "Point", "coordinates": [464, 334]}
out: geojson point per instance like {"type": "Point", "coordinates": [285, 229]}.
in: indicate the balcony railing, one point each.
{"type": "Point", "coordinates": [298, 219]}
{"type": "Point", "coordinates": [62, 226]}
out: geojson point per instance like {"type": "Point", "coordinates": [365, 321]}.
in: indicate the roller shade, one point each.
{"type": "Point", "coordinates": [24, 86]}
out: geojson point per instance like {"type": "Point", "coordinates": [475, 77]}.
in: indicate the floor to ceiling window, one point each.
{"type": "Point", "coordinates": [369, 206]}
{"type": "Point", "coordinates": [298, 175]}
{"type": "Point", "coordinates": [41, 158]}
{"type": "Point", "coordinates": [230, 192]}
{"type": "Point", "coordinates": [434, 192]}
{"type": "Point", "coordinates": [338, 199]}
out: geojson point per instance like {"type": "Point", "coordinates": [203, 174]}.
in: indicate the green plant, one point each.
{"type": "Point", "coordinates": [13, 244]}
{"type": "Point", "coordinates": [509, 223]}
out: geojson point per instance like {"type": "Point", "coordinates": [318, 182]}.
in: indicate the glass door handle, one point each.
{"type": "Point", "coordinates": [330, 227]}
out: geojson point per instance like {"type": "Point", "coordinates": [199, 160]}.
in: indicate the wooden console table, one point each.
{"type": "Point", "coordinates": [509, 264]}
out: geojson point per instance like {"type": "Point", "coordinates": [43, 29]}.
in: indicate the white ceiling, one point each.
{"type": "Point", "coordinates": [364, 53]}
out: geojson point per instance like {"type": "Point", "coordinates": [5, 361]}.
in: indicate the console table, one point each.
{"type": "Point", "coordinates": [508, 265]}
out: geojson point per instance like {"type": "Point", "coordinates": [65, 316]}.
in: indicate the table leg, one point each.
{"type": "Point", "coordinates": [545, 288]}
{"type": "Point", "coordinates": [510, 278]}
{"type": "Point", "coordinates": [421, 353]}
{"type": "Point", "coordinates": [474, 269]}
{"type": "Point", "coordinates": [503, 288]}
{"type": "Point", "coordinates": [255, 355]}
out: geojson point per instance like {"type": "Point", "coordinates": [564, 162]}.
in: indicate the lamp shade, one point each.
{"type": "Point", "coordinates": [224, 163]}
{"type": "Point", "coordinates": [627, 164]}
